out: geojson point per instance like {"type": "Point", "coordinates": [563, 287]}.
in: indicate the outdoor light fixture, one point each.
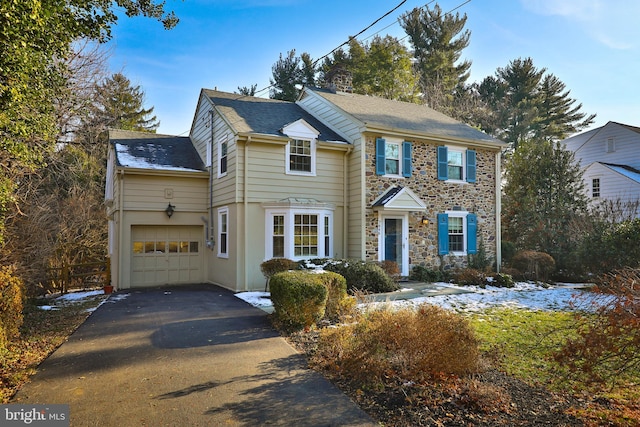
{"type": "Point", "coordinates": [170, 209]}
{"type": "Point", "coordinates": [425, 220]}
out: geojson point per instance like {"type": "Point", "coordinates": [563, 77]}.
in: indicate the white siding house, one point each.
{"type": "Point", "coordinates": [610, 158]}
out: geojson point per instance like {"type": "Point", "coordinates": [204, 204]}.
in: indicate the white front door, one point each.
{"type": "Point", "coordinates": [394, 241]}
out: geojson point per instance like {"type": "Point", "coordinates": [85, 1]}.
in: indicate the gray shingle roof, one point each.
{"type": "Point", "coordinates": [265, 116]}
{"type": "Point", "coordinates": [375, 111]}
{"type": "Point", "coordinates": [145, 150]}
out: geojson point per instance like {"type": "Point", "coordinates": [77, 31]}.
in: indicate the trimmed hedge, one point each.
{"type": "Point", "coordinates": [299, 299]}
{"type": "Point", "coordinates": [277, 265]}
{"type": "Point", "coordinates": [364, 276]}
{"type": "Point", "coordinates": [339, 303]}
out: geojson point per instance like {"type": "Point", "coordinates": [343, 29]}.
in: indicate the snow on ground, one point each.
{"type": "Point", "coordinates": [472, 298]}
{"type": "Point", "coordinates": [75, 297]}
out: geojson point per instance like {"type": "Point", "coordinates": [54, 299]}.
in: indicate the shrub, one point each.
{"type": "Point", "coordinates": [391, 268]}
{"type": "Point", "coordinates": [11, 304]}
{"type": "Point", "coordinates": [534, 265]}
{"type": "Point", "coordinates": [339, 303]}
{"type": "Point", "coordinates": [407, 345]}
{"type": "Point", "coordinates": [607, 346]}
{"type": "Point", "coordinates": [276, 265]}
{"type": "Point", "coordinates": [508, 251]}
{"type": "Point", "coordinates": [480, 260]}
{"type": "Point", "coordinates": [470, 277]}
{"type": "Point", "coordinates": [503, 280]}
{"type": "Point", "coordinates": [299, 299]}
{"type": "Point", "coordinates": [363, 276]}
{"type": "Point", "coordinates": [424, 274]}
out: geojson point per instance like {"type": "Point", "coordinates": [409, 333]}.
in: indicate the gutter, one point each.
{"type": "Point", "coordinates": [345, 201]}
{"type": "Point", "coordinates": [120, 227]}
{"type": "Point", "coordinates": [498, 192]}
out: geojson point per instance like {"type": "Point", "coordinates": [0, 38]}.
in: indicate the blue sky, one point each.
{"type": "Point", "coordinates": [593, 46]}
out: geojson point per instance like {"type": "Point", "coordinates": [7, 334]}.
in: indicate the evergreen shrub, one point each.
{"type": "Point", "coordinates": [534, 265]}
{"type": "Point", "coordinates": [420, 273]}
{"type": "Point", "coordinates": [363, 276]}
{"type": "Point", "coordinates": [299, 299]}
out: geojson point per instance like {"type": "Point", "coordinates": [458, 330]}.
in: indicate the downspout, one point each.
{"type": "Point", "coordinates": [498, 212]}
{"type": "Point", "coordinates": [246, 212]}
{"type": "Point", "coordinates": [345, 202]}
{"type": "Point", "coordinates": [120, 227]}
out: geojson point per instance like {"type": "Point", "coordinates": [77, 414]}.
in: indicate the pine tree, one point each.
{"type": "Point", "coordinates": [287, 78]}
{"type": "Point", "coordinates": [543, 193]}
{"type": "Point", "coordinates": [438, 40]}
{"type": "Point", "coordinates": [524, 103]}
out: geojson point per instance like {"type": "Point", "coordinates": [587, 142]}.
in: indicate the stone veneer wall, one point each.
{"type": "Point", "coordinates": [439, 196]}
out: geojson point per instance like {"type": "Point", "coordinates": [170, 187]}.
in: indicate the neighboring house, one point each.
{"type": "Point", "coordinates": [334, 175]}
{"type": "Point", "coordinates": [610, 158]}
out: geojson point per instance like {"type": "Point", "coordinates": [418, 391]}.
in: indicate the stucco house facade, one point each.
{"type": "Point", "coordinates": [333, 175]}
{"type": "Point", "coordinates": [610, 158]}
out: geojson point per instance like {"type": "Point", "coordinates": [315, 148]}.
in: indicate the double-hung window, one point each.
{"type": "Point", "coordinates": [300, 156]}
{"type": "Point", "coordinates": [457, 233]}
{"type": "Point", "coordinates": [455, 164]}
{"type": "Point", "coordinates": [393, 157]}
{"type": "Point", "coordinates": [595, 187]}
{"type": "Point", "coordinates": [223, 147]}
{"type": "Point", "coordinates": [299, 234]}
{"type": "Point", "coordinates": [223, 232]}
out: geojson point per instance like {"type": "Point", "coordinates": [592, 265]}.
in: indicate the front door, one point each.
{"type": "Point", "coordinates": [394, 241]}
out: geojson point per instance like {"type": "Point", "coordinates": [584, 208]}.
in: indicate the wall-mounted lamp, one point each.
{"type": "Point", "coordinates": [425, 220]}
{"type": "Point", "coordinates": [170, 210]}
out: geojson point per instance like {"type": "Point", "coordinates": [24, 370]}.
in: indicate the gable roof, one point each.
{"type": "Point", "coordinates": [576, 142]}
{"type": "Point", "coordinates": [399, 199]}
{"type": "Point", "coordinates": [377, 112]}
{"type": "Point", "coordinates": [144, 150]}
{"type": "Point", "coordinates": [248, 114]}
{"type": "Point", "coordinates": [627, 171]}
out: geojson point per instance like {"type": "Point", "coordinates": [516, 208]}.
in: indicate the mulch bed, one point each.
{"type": "Point", "coordinates": [490, 398]}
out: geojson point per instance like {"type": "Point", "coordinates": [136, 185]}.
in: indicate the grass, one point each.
{"type": "Point", "coordinates": [522, 343]}
{"type": "Point", "coordinates": [42, 332]}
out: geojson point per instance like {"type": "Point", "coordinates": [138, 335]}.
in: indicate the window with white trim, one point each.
{"type": "Point", "coordinates": [595, 187]}
{"type": "Point", "coordinates": [223, 147]}
{"type": "Point", "coordinates": [456, 164]}
{"type": "Point", "coordinates": [223, 232]}
{"type": "Point", "coordinates": [298, 233]}
{"type": "Point", "coordinates": [301, 157]}
{"type": "Point", "coordinates": [457, 233]}
{"type": "Point", "coordinates": [393, 157]}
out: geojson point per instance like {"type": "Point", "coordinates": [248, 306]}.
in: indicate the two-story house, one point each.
{"type": "Point", "coordinates": [333, 175]}
{"type": "Point", "coordinates": [610, 158]}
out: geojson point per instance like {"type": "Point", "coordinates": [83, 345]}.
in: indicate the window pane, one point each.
{"type": "Point", "coordinates": [305, 239]}
{"type": "Point", "coordinates": [392, 159]}
{"type": "Point", "coordinates": [161, 247]}
{"type": "Point", "coordinates": [193, 247]}
{"type": "Point", "coordinates": [455, 164]}
{"type": "Point", "coordinates": [138, 247]}
{"type": "Point", "coordinates": [391, 167]}
{"type": "Point", "coordinates": [173, 247]}
{"type": "Point", "coordinates": [149, 247]}
{"type": "Point", "coordinates": [456, 236]}
{"type": "Point", "coordinates": [184, 247]}
{"type": "Point", "coordinates": [300, 155]}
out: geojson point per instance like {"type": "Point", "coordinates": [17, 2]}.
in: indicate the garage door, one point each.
{"type": "Point", "coordinates": [166, 255]}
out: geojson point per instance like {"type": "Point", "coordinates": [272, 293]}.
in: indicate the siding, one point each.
{"type": "Point", "coordinates": [613, 186]}
{"type": "Point", "coordinates": [147, 193]}
{"type": "Point", "coordinates": [627, 147]}
{"type": "Point", "coordinates": [351, 131]}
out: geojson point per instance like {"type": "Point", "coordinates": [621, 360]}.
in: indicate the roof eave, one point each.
{"type": "Point", "coordinates": [404, 133]}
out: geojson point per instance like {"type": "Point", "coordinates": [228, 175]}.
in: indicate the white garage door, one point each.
{"type": "Point", "coordinates": [166, 255]}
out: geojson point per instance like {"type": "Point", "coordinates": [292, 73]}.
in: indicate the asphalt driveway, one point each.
{"type": "Point", "coordinates": [187, 356]}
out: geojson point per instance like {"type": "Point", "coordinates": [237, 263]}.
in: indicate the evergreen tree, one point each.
{"type": "Point", "coordinates": [543, 193]}
{"type": "Point", "coordinates": [382, 68]}
{"type": "Point", "coordinates": [525, 103]}
{"type": "Point", "coordinates": [290, 74]}
{"type": "Point", "coordinates": [438, 40]}
{"type": "Point", "coordinates": [248, 91]}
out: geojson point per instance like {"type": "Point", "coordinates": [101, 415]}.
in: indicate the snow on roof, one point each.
{"type": "Point", "coordinates": [143, 150]}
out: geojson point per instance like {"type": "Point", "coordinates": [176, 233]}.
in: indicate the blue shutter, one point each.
{"type": "Point", "coordinates": [471, 166]}
{"type": "Point", "coordinates": [472, 234]}
{"type": "Point", "coordinates": [443, 166]}
{"type": "Point", "coordinates": [443, 234]}
{"type": "Point", "coordinates": [406, 159]}
{"type": "Point", "coordinates": [380, 160]}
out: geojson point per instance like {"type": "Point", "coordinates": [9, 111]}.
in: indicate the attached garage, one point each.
{"type": "Point", "coordinates": [166, 255]}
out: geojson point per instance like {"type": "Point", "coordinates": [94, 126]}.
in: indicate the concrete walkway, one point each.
{"type": "Point", "coordinates": [188, 356]}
